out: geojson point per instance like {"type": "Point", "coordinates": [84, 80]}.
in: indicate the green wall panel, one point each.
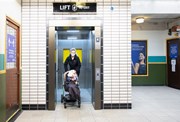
{"type": "Point", "coordinates": [157, 76]}
{"type": "Point", "coordinates": [1, 61]}
{"type": "Point", "coordinates": [2, 97]}
{"type": "Point", "coordinates": [156, 58]}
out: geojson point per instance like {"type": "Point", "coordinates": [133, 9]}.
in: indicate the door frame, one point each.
{"type": "Point", "coordinates": [10, 22]}
{"type": "Point", "coordinates": [51, 68]}
{"type": "Point", "coordinates": [169, 39]}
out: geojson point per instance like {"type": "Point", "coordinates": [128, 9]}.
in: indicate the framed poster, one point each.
{"type": "Point", "coordinates": [139, 56]}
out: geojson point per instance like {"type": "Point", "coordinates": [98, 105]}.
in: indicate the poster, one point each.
{"type": "Point", "coordinates": [139, 57]}
{"type": "Point", "coordinates": [173, 51]}
{"type": "Point", "coordinates": [11, 48]}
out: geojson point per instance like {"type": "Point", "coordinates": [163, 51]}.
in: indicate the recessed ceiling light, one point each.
{"type": "Point", "coordinates": [140, 20]}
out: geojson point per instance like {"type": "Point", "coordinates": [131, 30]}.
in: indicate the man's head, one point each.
{"type": "Point", "coordinates": [73, 52]}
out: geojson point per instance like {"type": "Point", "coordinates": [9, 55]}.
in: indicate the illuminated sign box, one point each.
{"type": "Point", "coordinates": [74, 7]}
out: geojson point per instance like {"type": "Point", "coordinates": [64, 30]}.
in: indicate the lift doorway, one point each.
{"type": "Point", "coordinates": [85, 36]}
{"type": "Point", "coordinates": [80, 38]}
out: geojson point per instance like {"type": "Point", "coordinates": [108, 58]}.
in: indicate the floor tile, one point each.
{"type": "Point", "coordinates": [150, 104]}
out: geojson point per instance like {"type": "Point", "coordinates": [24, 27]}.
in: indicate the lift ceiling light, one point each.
{"type": "Point", "coordinates": [71, 37]}
{"type": "Point", "coordinates": [140, 20]}
{"type": "Point", "coordinates": [72, 31]}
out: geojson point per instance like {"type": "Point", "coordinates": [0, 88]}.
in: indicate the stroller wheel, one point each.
{"type": "Point", "coordinates": [65, 105]}
{"type": "Point", "coordinates": [79, 104]}
{"type": "Point", "coordinates": [62, 98]}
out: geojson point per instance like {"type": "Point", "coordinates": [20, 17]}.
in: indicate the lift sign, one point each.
{"type": "Point", "coordinates": [74, 7]}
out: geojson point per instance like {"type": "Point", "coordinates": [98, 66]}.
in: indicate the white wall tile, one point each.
{"type": "Point", "coordinates": [116, 50]}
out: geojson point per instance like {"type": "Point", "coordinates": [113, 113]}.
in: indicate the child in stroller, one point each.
{"type": "Point", "coordinates": [71, 85]}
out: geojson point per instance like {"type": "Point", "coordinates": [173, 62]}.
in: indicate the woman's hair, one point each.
{"type": "Point", "coordinates": [142, 53]}
{"type": "Point", "coordinates": [144, 56]}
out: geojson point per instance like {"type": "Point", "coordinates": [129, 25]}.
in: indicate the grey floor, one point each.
{"type": "Point", "coordinates": [150, 104]}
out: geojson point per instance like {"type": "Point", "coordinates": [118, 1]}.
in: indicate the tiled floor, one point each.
{"type": "Point", "coordinates": [150, 104]}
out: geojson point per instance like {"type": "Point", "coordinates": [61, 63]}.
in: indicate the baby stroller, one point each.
{"type": "Point", "coordinates": [70, 85]}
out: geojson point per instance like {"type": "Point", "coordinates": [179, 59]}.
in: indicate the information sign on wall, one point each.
{"type": "Point", "coordinates": [173, 51]}
{"type": "Point", "coordinates": [11, 48]}
{"type": "Point", "coordinates": [74, 7]}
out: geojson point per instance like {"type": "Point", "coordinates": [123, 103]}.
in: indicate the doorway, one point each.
{"type": "Point", "coordinates": [12, 68]}
{"type": "Point", "coordinates": [64, 32]}
{"type": "Point", "coordinates": [173, 62]}
{"type": "Point", "coordinates": [80, 38]}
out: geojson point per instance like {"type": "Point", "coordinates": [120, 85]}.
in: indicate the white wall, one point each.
{"type": "Point", "coordinates": [156, 38]}
{"type": "Point", "coordinates": [156, 41]}
{"type": "Point", "coordinates": [155, 6]}
{"type": "Point", "coordinates": [12, 9]}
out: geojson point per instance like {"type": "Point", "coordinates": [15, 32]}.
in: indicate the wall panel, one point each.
{"type": "Point", "coordinates": [116, 18]}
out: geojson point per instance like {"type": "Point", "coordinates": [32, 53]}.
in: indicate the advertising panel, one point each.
{"type": "Point", "coordinates": [139, 57]}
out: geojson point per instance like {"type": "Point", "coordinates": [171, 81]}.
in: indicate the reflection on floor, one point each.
{"type": "Point", "coordinates": [85, 95]}
{"type": "Point", "coordinates": [150, 104]}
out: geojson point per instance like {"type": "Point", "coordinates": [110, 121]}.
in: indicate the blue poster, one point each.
{"type": "Point", "coordinates": [139, 57]}
{"type": "Point", "coordinates": [11, 48]}
{"type": "Point", "coordinates": [173, 51]}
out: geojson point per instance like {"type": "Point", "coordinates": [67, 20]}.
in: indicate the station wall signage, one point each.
{"type": "Point", "coordinates": [11, 48]}
{"type": "Point", "coordinates": [74, 7]}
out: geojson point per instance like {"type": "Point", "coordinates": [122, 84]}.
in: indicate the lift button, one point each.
{"type": "Point", "coordinates": [97, 73]}
{"type": "Point", "coordinates": [97, 39]}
